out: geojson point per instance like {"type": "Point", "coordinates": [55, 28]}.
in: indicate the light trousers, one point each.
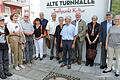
{"type": "Point", "coordinates": [111, 53]}
{"type": "Point", "coordinates": [39, 47]}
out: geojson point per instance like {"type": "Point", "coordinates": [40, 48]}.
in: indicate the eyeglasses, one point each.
{"type": "Point", "coordinates": [26, 16]}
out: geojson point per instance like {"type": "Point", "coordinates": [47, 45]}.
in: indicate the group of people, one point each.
{"type": "Point", "coordinates": [66, 35]}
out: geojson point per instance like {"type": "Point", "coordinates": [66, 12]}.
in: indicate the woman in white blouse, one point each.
{"type": "Point", "coordinates": [16, 40]}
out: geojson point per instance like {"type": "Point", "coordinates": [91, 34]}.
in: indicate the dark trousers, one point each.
{"type": "Point", "coordinates": [67, 51]}
{"type": "Point", "coordinates": [4, 61]}
{"type": "Point", "coordinates": [103, 56]}
{"type": "Point", "coordinates": [52, 45]}
{"type": "Point", "coordinates": [29, 49]}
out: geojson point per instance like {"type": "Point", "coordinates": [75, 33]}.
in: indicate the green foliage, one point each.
{"type": "Point", "coordinates": [115, 7]}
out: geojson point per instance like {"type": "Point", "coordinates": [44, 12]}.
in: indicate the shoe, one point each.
{"type": "Point", "coordinates": [60, 61]}
{"type": "Point", "coordinates": [102, 67]}
{"type": "Point", "coordinates": [86, 64]}
{"type": "Point", "coordinates": [63, 65]}
{"type": "Point", "coordinates": [51, 58]}
{"type": "Point", "coordinates": [69, 67]}
{"type": "Point", "coordinates": [116, 74]}
{"type": "Point", "coordinates": [17, 68]}
{"type": "Point", "coordinates": [8, 74]}
{"type": "Point", "coordinates": [91, 65]}
{"type": "Point", "coordinates": [41, 59]}
{"type": "Point", "coordinates": [57, 58]}
{"type": "Point", "coordinates": [22, 66]}
{"type": "Point", "coordinates": [106, 71]}
{"type": "Point", "coordinates": [79, 62]}
{"type": "Point", "coordinates": [36, 58]}
{"type": "Point", "coordinates": [3, 76]}
{"type": "Point", "coordinates": [44, 55]}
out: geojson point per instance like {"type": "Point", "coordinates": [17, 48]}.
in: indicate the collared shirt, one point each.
{"type": "Point", "coordinates": [27, 26]}
{"type": "Point", "coordinates": [109, 24]}
{"type": "Point", "coordinates": [44, 22]}
{"type": "Point", "coordinates": [14, 27]}
{"type": "Point", "coordinates": [51, 26]}
{"type": "Point", "coordinates": [77, 22]}
{"type": "Point", "coordinates": [68, 32]}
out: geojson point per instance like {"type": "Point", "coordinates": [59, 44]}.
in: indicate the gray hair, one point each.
{"type": "Point", "coordinates": [68, 17]}
{"type": "Point", "coordinates": [60, 18]}
{"type": "Point", "coordinates": [94, 16]}
{"type": "Point", "coordinates": [41, 13]}
{"type": "Point", "coordinates": [117, 16]}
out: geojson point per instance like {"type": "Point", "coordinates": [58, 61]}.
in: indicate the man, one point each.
{"type": "Point", "coordinates": [68, 34]}
{"type": "Point", "coordinates": [81, 28]}
{"type": "Point", "coordinates": [105, 27]}
{"type": "Point", "coordinates": [4, 59]}
{"type": "Point", "coordinates": [51, 26]}
{"type": "Point", "coordinates": [44, 24]}
{"type": "Point", "coordinates": [28, 31]}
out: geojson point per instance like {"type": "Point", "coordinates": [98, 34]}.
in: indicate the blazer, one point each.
{"type": "Point", "coordinates": [103, 33]}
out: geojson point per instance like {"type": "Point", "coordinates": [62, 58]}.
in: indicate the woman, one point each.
{"type": "Point", "coordinates": [113, 46]}
{"type": "Point", "coordinates": [38, 39]}
{"type": "Point", "coordinates": [4, 59]}
{"type": "Point", "coordinates": [16, 40]}
{"type": "Point", "coordinates": [92, 37]}
{"type": "Point", "coordinates": [58, 40]}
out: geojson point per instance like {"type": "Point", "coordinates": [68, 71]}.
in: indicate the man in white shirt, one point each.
{"type": "Point", "coordinates": [51, 26]}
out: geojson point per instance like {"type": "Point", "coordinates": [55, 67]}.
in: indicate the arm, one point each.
{"type": "Point", "coordinates": [101, 34]}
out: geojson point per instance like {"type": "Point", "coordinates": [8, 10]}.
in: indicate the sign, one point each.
{"type": "Point", "coordinates": [68, 7]}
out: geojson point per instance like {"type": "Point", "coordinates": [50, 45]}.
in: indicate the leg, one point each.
{"type": "Point", "coordinates": [44, 47]}
{"type": "Point", "coordinates": [80, 46]}
{"type": "Point", "coordinates": [64, 53]}
{"type": "Point", "coordinates": [27, 51]}
{"type": "Point", "coordinates": [40, 42]}
{"type": "Point", "coordinates": [103, 57]}
{"type": "Point", "coordinates": [31, 50]}
{"type": "Point", "coordinates": [37, 48]}
{"type": "Point", "coordinates": [20, 54]}
{"type": "Point", "coordinates": [52, 46]}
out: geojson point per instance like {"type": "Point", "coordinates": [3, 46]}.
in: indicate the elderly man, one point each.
{"type": "Point", "coordinates": [51, 26]}
{"type": "Point", "coordinates": [44, 24]}
{"type": "Point", "coordinates": [105, 27]}
{"type": "Point", "coordinates": [4, 59]}
{"type": "Point", "coordinates": [81, 28]}
{"type": "Point", "coordinates": [68, 34]}
{"type": "Point", "coordinates": [28, 31]}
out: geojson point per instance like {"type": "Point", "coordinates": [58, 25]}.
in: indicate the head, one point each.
{"type": "Point", "coordinates": [37, 21]}
{"type": "Point", "coordinates": [14, 17]}
{"type": "Point", "coordinates": [67, 19]}
{"type": "Point", "coordinates": [94, 19]}
{"type": "Point", "coordinates": [108, 16]}
{"type": "Point", "coordinates": [1, 21]}
{"type": "Point", "coordinates": [61, 20]}
{"type": "Point", "coordinates": [78, 15]}
{"type": "Point", "coordinates": [41, 15]}
{"type": "Point", "coordinates": [26, 17]}
{"type": "Point", "coordinates": [117, 20]}
{"type": "Point", "coordinates": [53, 15]}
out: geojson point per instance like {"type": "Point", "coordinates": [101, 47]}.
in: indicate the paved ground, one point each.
{"type": "Point", "coordinates": [41, 69]}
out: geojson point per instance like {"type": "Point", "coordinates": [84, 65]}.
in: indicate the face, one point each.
{"type": "Point", "coordinates": [41, 16]}
{"type": "Point", "coordinates": [26, 18]}
{"type": "Point", "coordinates": [61, 21]}
{"type": "Point", "coordinates": [2, 23]}
{"type": "Point", "coordinates": [15, 17]}
{"type": "Point", "coordinates": [67, 20]}
{"type": "Point", "coordinates": [53, 16]}
{"type": "Point", "coordinates": [109, 17]}
{"type": "Point", "coordinates": [94, 19]}
{"type": "Point", "coordinates": [37, 22]}
{"type": "Point", "coordinates": [117, 21]}
{"type": "Point", "coordinates": [78, 15]}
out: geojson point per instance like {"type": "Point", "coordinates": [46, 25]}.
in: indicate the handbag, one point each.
{"type": "Point", "coordinates": [91, 54]}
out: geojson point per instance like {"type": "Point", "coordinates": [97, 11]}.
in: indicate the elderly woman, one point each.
{"type": "Point", "coordinates": [113, 46]}
{"type": "Point", "coordinates": [58, 39]}
{"type": "Point", "coordinates": [92, 37]}
{"type": "Point", "coordinates": [16, 40]}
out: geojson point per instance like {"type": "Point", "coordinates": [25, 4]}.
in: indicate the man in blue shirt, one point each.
{"type": "Point", "coordinates": [68, 34]}
{"type": "Point", "coordinates": [44, 24]}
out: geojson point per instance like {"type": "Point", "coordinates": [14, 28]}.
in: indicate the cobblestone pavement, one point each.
{"type": "Point", "coordinates": [40, 69]}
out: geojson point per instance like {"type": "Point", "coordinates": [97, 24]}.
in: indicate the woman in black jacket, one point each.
{"type": "Point", "coordinates": [92, 38]}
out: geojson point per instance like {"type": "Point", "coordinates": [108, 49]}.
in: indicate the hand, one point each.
{"type": "Point", "coordinates": [73, 45]}
{"type": "Point", "coordinates": [106, 47]}
{"type": "Point", "coordinates": [90, 42]}
{"type": "Point", "coordinates": [100, 44]}
{"type": "Point", "coordinates": [61, 45]}
{"type": "Point", "coordinates": [94, 42]}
